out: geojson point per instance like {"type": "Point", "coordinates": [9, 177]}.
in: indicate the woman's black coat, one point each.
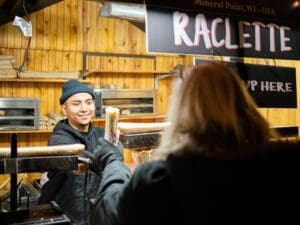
{"type": "Point", "coordinates": [260, 188]}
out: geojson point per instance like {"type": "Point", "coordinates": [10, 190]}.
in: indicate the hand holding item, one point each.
{"type": "Point", "coordinates": [111, 125]}
{"type": "Point", "coordinates": [84, 160]}
{"type": "Point", "coordinates": [104, 154]}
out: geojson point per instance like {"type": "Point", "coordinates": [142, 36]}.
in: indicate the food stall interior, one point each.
{"type": "Point", "coordinates": [19, 207]}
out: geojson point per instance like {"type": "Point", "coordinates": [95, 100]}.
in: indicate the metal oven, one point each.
{"type": "Point", "coordinates": [131, 102]}
{"type": "Point", "coordinates": [19, 113]}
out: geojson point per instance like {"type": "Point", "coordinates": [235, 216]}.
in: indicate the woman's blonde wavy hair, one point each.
{"type": "Point", "coordinates": [212, 112]}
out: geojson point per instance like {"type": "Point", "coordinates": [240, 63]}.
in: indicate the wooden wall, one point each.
{"type": "Point", "coordinates": [70, 36]}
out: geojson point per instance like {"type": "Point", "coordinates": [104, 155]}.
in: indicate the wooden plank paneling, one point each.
{"type": "Point", "coordinates": [4, 36]}
{"type": "Point", "coordinates": [45, 60]}
{"type": "Point", "coordinates": [48, 93]}
{"type": "Point", "coordinates": [40, 30]}
{"type": "Point", "coordinates": [10, 36]}
{"type": "Point", "coordinates": [37, 61]}
{"type": "Point", "coordinates": [122, 80]}
{"type": "Point", "coordinates": [108, 35]}
{"type": "Point", "coordinates": [53, 24]}
{"type": "Point", "coordinates": [25, 140]}
{"type": "Point", "coordinates": [60, 25]}
{"type": "Point", "coordinates": [120, 40]}
{"type": "Point", "coordinates": [59, 60]}
{"type": "Point", "coordinates": [66, 25]}
{"type": "Point", "coordinates": [17, 37]}
{"type": "Point", "coordinates": [74, 25]}
{"type": "Point", "coordinates": [93, 28]}
{"type": "Point", "coordinates": [46, 28]}
{"type": "Point", "coordinates": [64, 31]}
{"type": "Point", "coordinates": [166, 63]}
{"type": "Point", "coordinates": [121, 64]}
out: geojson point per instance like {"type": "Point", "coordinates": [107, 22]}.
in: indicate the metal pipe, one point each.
{"type": "Point", "coordinates": [129, 11]}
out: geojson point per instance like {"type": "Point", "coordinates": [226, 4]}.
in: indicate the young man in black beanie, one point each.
{"type": "Point", "coordinates": [68, 188]}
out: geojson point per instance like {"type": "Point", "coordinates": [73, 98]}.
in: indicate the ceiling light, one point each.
{"type": "Point", "coordinates": [129, 11]}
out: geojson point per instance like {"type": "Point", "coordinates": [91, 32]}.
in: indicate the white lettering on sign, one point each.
{"type": "Point", "coordinates": [201, 29]}
{"type": "Point", "coordinates": [275, 86]}
{"type": "Point", "coordinates": [243, 36]}
{"type": "Point", "coordinates": [271, 86]}
{"type": "Point", "coordinates": [257, 35]}
{"type": "Point", "coordinates": [180, 23]}
{"type": "Point", "coordinates": [228, 32]}
{"type": "Point", "coordinates": [251, 84]}
{"type": "Point", "coordinates": [214, 27]}
{"type": "Point", "coordinates": [209, 34]}
{"type": "Point", "coordinates": [284, 39]}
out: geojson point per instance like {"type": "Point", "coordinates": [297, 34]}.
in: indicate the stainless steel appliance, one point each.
{"type": "Point", "coordinates": [19, 113]}
{"type": "Point", "coordinates": [131, 102]}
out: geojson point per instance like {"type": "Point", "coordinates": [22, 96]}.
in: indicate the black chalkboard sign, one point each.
{"type": "Point", "coordinates": [193, 32]}
{"type": "Point", "coordinates": [270, 86]}
{"type": "Point", "coordinates": [283, 11]}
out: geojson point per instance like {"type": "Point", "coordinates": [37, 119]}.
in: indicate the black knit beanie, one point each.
{"type": "Point", "coordinates": [72, 87]}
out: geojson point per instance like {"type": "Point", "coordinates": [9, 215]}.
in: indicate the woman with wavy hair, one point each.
{"type": "Point", "coordinates": [218, 163]}
{"type": "Point", "coordinates": [212, 112]}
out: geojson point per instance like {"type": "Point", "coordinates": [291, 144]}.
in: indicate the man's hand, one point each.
{"type": "Point", "coordinates": [104, 153]}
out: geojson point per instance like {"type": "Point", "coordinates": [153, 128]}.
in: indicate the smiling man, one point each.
{"type": "Point", "coordinates": [69, 188]}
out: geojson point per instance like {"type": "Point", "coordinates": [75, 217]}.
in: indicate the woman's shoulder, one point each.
{"type": "Point", "coordinates": [152, 167]}
{"type": "Point", "coordinates": [163, 168]}
{"type": "Point", "coordinates": [151, 172]}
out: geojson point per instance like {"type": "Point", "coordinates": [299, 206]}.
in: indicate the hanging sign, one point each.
{"type": "Point", "coordinates": [283, 11]}
{"type": "Point", "coordinates": [270, 86]}
{"type": "Point", "coordinates": [191, 32]}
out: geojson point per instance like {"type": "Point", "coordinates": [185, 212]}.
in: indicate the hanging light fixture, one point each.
{"type": "Point", "coordinates": [129, 11]}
